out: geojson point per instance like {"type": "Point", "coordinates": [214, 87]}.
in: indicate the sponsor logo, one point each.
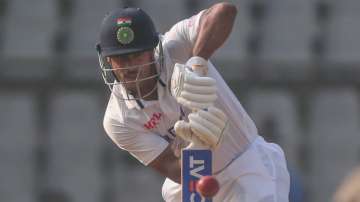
{"type": "Point", "coordinates": [154, 121]}
{"type": "Point", "coordinates": [196, 163]}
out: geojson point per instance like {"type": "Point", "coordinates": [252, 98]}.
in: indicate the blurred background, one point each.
{"type": "Point", "coordinates": [294, 65]}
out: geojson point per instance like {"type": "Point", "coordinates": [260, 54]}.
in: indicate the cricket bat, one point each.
{"type": "Point", "coordinates": [194, 164]}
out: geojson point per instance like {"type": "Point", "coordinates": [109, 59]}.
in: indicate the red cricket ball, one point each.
{"type": "Point", "coordinates": [207, 186]}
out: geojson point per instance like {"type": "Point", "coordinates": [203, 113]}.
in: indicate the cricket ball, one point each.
{"type": "Point", "coordinates": [207, 186]}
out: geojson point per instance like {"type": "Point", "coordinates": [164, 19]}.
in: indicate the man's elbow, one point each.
{"type": "Point", "coordinates": [227, 10]}
{"type": "Point", "coordinates": [174, 173]}
{"type": "Point", "coordinates": [177, 179]}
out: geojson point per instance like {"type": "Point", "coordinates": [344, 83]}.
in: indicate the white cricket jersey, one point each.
{"type": "Point", "coordinates": [146, 131]}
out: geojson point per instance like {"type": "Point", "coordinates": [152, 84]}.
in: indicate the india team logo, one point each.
{"type": "Point", "coordinates": [124, 34]}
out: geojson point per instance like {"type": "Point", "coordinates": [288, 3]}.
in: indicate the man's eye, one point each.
{"type": "Point", "coordinates": [122, 58]}
{"type": "Point", "coordinates": [136, 55]}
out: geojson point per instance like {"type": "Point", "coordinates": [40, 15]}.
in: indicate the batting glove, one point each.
{"type": "Point", "coordinates": [205, 127]}
{"type": "Point", "coordinates": [192, 90]}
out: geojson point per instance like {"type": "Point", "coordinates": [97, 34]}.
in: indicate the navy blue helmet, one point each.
{"type": "Point", "coordinates": [125, 31]}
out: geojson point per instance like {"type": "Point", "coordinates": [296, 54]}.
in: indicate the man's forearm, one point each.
{"type": "Point", "coordinates": [168, 165]}
{"type": "Point", "coordinates": [175, 171]}
{"type": "Point", "coordinates": [215, 27]}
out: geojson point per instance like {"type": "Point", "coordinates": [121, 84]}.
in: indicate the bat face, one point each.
{"type": "Point", "coordinates": [195, 164]}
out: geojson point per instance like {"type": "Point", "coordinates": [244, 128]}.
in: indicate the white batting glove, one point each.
{"type": "Point", "coordinates": [192, 90]}
{"type": "Point", "coordinates": [183, 130]}
{"type": "Point", "coordinates": [205, 127]}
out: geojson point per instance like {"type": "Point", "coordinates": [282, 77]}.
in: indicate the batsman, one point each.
{"type": "Point", "coordinates": [166, 95]}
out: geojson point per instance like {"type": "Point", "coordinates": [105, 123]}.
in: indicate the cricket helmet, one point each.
{"type": "Point", "coordinates": [126, 31]}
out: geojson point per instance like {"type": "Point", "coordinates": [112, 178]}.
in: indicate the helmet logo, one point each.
{"type": "Point", "coordinates": [124, 34]}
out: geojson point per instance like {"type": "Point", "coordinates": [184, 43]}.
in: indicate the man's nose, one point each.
{"type": "Point", "coordinates": [130, 70]}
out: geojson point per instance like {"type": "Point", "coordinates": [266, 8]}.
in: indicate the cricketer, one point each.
{"type": "Point", "coordinates": [167, 95]}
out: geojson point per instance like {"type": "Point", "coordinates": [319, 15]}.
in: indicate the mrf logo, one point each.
{"type": "Point", "coordinates": [154, 120]}
{"type": "Point", "coordinates": [195, 164]}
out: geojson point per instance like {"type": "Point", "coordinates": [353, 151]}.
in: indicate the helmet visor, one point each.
{"type": "Point", "coordinates": [134, 82]}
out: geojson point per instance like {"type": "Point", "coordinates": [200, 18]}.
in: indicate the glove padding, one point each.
{"type": "Point", "coordinates": [183, 130]}
{"type": "Point", "coordinates": [191, 90]}
{"type": "Point", "coordinates": [205, 127]}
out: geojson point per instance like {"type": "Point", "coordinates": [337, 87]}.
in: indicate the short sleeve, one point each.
{"type": "Point", "coordinates": [143, 146]}
{"type": "Point", "coordinates": [180, 39]}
